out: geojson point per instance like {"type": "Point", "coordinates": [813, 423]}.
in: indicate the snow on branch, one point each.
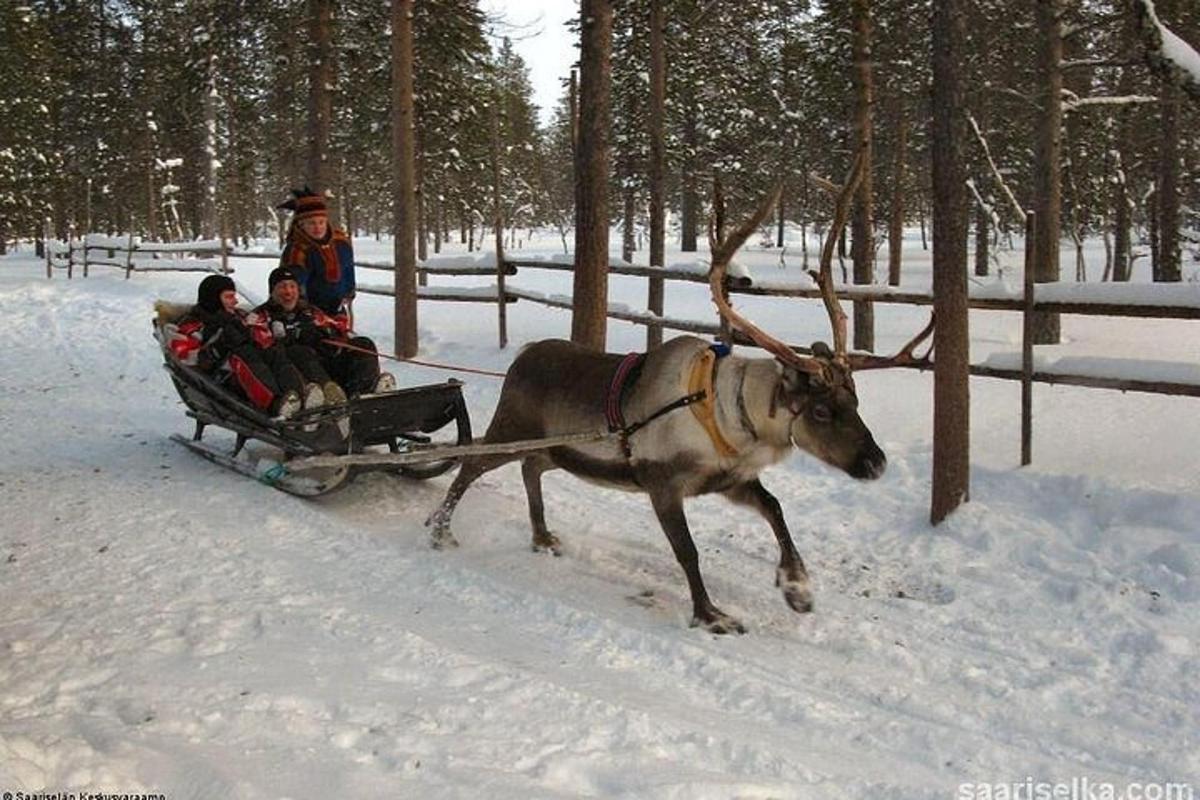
{"type": "Point", "coordinates": [1166, 53]}
{"type": "Point", "coordinates": [987, 151]}
{"type": "Point", "coordinates": [1129, 99]}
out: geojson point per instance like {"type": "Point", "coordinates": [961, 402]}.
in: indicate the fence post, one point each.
{"type": "Point", "coordinates": [501, 297]}
{"type": "Point", "coordinates": [224, 247]}
{"type": "Point", "coordinates": [1027, 343]}
{"type": "Point", "coordinates": [49, 250]}
{"type": "Point", "coordinates": [71, 251]}
{"type": "Point", "coordinates": [129, 254]}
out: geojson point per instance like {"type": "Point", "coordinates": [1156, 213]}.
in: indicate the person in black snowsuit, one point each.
{"type": "Point", "coordinates": [305, 329]}
{"type": "Point", "coordinates": [215, 336]}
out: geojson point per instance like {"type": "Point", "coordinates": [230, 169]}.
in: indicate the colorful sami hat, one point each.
{"type": "Point", "coordinates": [305, 203]}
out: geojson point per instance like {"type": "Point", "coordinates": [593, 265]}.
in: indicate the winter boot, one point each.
{"type": "Point", "coordinates": [314, 396]}
{"type": "Point", "coordinates": [334, 396]}
{"type": "Point", "coordinates": [385, 383]}
{"type": "Point", "coordinates": [288, 406]}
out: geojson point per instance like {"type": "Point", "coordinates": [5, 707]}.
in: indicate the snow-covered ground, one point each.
{"type": "Point", "coordinates": [167, 626]}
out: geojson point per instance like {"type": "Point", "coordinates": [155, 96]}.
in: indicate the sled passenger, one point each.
{"type": "Point", "coordinates": [322, 257]}
{"type": "Point", "coordinates": [215, 336]}
{"type": "Point", "coordinates": [306, 330]}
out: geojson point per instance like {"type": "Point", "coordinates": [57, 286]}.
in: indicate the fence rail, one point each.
{"type": "Point", "coordinates": [77, 251]}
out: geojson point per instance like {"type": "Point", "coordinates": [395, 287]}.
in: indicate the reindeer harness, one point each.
{"type": "Point", "coordinates": [700, 397]}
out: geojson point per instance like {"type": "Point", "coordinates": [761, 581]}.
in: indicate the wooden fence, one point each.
{"type": "Point", "coordinates": [1174, 301]}
{"type": "Point", "coordinates": [1169, 301]}
{"type": "Point", "coordinates": [95, 250]}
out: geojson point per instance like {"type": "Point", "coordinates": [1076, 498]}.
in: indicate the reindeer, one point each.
{"type": "Point", "coordinates": [748, 414]}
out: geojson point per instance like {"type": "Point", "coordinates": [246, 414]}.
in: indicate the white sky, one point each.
{"type": "Point", "coordinates": [541, 38]}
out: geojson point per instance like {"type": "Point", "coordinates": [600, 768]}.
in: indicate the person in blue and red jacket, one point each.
{"type": "Point", "coordinates": [304, 329]}
{"type": "Point", "coordinates": [322, 257]}
{"type": "Point", "coordinates": [217, 337]}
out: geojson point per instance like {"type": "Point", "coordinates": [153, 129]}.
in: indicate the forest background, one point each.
{"type": "Point", "coordinates": [182, 119]}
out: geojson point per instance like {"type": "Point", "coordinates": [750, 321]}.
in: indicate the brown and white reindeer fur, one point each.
{"type": "Point", "coordinates": [763, 407]}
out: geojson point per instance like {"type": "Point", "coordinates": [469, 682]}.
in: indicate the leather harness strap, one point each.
{"type": "Point", "coordinates": [700, 398]}
{"type": "Point", "coordinates": [617, 387]}
{"type": "Point", "coordinates": [701, 380]}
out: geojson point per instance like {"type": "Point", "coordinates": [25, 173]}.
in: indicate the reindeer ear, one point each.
{"type": "Point", "coordinates": [793, 380]}
{"type": "Point", "coordinates": [798, 381]}
{"type": "Point", "coordinates": [821, 350]}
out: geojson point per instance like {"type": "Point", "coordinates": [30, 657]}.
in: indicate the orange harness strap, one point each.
{"type": "Point", "coordinates": [702, 380]}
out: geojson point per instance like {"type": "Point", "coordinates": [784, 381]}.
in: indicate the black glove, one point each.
{"type": "Point", "coordinates": [234, 335]}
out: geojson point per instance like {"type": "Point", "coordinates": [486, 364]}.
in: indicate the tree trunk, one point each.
{"type": "Point", "coordinates": [589, 320]}
{"type": "Point", "coordinates": [863, 223]}
{"type": "Point", "coordinates": [779, 221]}
{"type": "Point", "coordinates": [208, 213]}
{"type": "Point", "coordinates": [689, 206]}
{"type": "Point", "coordinates": [440, 231]}
{"type": "Point", "coordinates": [1152, 226]}
{"type": "Point", "coordinates": [1169, 265]}
{"type": "Point", "coordinates": [419, 203]}
{"type": "Point", "coordinates": [981, 239]}
{"type": "Point", "coordinates": [403, 189]}
{"type": "Point", "coordinates": [320, 93]}
{"type": "Point", "coordinates": [951, 394]}
{"type": "Point", "coordinates": [1047, 161]}
{"type": "Point", "coordinates": [657, 166]}
{"type": "Point", "coordinates": [628, 212]}
{"type": "Point", "coordinates": [896, 218]}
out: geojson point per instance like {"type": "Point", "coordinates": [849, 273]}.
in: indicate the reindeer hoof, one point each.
{"type": "Point", "coordinates": [720, 623]}
{"type": "Point", "coordinates": [546, 543]}
{"type": "Point", "coordinates": [442, 540]}
{"type": "Point", "coordinates": [796, 591]}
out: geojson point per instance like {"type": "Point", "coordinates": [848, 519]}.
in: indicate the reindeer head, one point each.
{"type": "Point", "coordinates": [823, 408]}
{"type": "Point", "coordinates": [817, 390]}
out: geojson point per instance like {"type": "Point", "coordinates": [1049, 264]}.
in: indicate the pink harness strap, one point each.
{"type": "Point", "coordinates": [613, 414]}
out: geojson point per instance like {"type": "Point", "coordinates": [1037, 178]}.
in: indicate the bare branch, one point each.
{"type": "Point", "coordinates": [987, 151]}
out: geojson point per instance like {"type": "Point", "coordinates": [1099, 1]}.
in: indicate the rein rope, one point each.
{"type": "Point", "coordinates": [394, 357]}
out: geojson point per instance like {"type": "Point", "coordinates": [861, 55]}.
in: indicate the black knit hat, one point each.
{"type": "Point", "coordinates": [208, 296]}
{"type": "Point", "coordinates": [281, 274]}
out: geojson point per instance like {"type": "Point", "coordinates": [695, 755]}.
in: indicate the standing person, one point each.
{"type": "Point", "coordinates": [306, 330]}
{"type": "Point", "coordinates": [321, 256]}
{"type": "Point", "coordinates": [217, 337]}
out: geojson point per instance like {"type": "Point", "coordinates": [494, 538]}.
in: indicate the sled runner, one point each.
{"type": "Point", "coordinates": [421, 425]}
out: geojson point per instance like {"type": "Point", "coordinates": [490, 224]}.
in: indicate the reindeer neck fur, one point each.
{"type": "Point", "coordinates": [744, 388]}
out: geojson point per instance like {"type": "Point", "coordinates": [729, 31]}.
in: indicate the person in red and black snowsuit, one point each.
{"type": "Point", "coordinates": [304, 329]}
{"type": "Point", "coordinates": [321, 256]}
{"type": "Point", "coordinates": [215, 336]}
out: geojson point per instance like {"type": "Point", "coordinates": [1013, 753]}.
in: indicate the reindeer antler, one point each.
{"type": "Point", "coordinates": [837, 317]}
{"type": "Point", "coordinates": [903, 358]}
{"type": "Point", "coordinates": [722, 254]}
{"type": "Point", "coordinates": [841, 210]}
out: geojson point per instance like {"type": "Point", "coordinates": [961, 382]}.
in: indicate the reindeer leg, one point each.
{"type": "Point", "coordinates": [440, 536]}
{"type": "Point", "coordinates": [669, 508]}
{"type": "Point", "coordinates": [531, 471]}
{"type": "Point", "coordinates": [790, 576]}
